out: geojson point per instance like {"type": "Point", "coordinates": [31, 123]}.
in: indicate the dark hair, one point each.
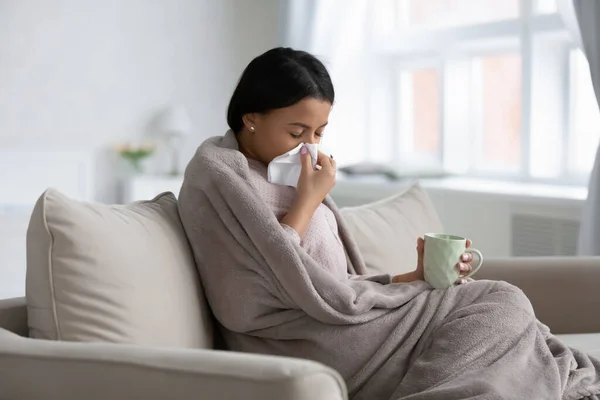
{"type": "Point", "coordinates": [279, 78]}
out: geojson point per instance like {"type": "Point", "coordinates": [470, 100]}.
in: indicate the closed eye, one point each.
{"type": "Point", "coordinates": [296, 135]}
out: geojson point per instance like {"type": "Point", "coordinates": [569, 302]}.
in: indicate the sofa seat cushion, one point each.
{"type": "Point", "coordinates": [113, 273]}
{"type": "Point", "coordinates": [586, 342]}
{"type": "Point", "coordinates": [386, 231]}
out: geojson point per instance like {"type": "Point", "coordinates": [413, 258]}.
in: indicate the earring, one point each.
{"type": "Point", "coordinates": [251, 129]}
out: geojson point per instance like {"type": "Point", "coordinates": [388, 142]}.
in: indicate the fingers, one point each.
{"type": "Point", "coordinates": [327, 164]}
{"type": "Point", "coordinates": [464, 268]}
{"type": "Point", "coordinates": [464, 264]}
{"type": "Point", "coordinates": [325, 161]}
{"type": "Point", "coordinates": [462, 281]}
{"type": "Point", "coordinates": [420, 250]}
{"type": "Point", "coordinates": [306, 159]}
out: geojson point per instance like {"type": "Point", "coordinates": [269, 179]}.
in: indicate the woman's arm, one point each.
{"type": "Point", "coordinates": [299, 216]}
{"type": "Point", "coordinates": [313, 186]}
{"type": "Point", "coordinates": [406, 278]}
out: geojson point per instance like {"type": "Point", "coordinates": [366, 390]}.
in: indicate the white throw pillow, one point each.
{"type": "Point", "coordinates": [386, 231]}
{"type": "Point", "coordinates": [113, 273]}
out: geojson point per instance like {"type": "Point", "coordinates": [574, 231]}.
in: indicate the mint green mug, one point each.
{"type": "Point", "coordinates": [442, 253]}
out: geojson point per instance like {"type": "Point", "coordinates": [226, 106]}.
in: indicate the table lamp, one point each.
{"type": "Point", "coordinates": [174, 124]}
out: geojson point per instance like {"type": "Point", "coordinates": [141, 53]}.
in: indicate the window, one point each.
{"type": "Point", "coordinates": [481, 87]}
{"type": "Point", "coordinates": [584, 119]}
{"type": "Point", "coordinates": [419, 118]}
{"type": "Point", "coordinates": [497, 104]}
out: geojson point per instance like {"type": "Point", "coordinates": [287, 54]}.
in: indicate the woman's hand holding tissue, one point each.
{"type": "Point", "coordinates": [313, 186]}
{"type": "Point", "coordinates": [463, 265]}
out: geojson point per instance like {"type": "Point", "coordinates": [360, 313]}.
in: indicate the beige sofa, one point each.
{"type": "Point", "coordinates": [564, 293]}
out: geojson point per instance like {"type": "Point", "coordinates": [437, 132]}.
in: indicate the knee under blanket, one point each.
{"type": "Point", "coordinates": [394, 341]}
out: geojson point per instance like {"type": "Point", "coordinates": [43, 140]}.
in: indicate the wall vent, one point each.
{"type": "Point", "coordinates": [536, 235]}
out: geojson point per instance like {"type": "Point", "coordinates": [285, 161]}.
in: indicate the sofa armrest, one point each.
{"type": "Point", "coordinates": [564, 291]}
{"type": "Point", "coordinates": [36, 369]}
{"type": "Point", "coordinates": [13, 315]}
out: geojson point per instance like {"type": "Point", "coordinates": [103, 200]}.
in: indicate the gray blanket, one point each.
{"type": "Point", "coordinates": [394, 341]}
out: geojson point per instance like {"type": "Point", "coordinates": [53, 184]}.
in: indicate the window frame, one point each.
{"type": "Point", "coordinates": [405, 50]}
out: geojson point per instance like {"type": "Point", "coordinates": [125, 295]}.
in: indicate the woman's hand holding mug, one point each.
{"type": "Point", "coordinates": [463, 266]}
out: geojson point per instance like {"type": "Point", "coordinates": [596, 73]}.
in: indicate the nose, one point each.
{"type": "Point", "coordinates": [314, 139]}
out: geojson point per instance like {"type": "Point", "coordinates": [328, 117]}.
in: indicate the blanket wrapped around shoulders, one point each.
{"type": "Point", "coordinates": [389, 341]}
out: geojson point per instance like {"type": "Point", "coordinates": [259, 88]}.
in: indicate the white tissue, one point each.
{"type": "Point", "coordinates": [285, 169]}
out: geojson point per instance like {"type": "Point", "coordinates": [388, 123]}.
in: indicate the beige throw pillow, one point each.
{"type": "Point", "coordinates": [387, 231]}
{"type": "Point", "coordinates": [113, 273]}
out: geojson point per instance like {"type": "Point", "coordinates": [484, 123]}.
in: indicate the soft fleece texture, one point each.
{"type": "Point", "coordinates": [393, 341]}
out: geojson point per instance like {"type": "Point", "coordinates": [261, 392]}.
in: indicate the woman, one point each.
{"type": "Point", "coordinates": [283, 275]}
{"type": "Point", "coordinates": [282, 100]}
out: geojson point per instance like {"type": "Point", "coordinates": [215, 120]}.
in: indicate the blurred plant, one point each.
{"type": "Point", "coordinates": [135, 154]}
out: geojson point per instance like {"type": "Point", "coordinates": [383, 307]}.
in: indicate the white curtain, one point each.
{"type": "Point", "coordinates": [296, 23]}
{"type": "Point", "coordinates": [582, 17]}
{"type": "Point", "coordinates": [336, 31]}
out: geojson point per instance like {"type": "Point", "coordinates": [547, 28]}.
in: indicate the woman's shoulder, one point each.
{"type": "Point", "coordinates": [215, 158]}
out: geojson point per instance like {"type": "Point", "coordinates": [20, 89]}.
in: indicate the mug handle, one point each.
{"type": "Point", "coordinates": [475, 251]}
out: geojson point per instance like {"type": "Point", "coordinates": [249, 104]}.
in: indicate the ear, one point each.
{"type": "Point", "coordinates": [249, 120]}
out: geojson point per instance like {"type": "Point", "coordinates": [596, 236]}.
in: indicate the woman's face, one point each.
{"type": "Point", "coordinates": [283, 129]}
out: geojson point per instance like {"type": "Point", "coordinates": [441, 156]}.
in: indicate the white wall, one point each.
{"type": "Point", "coordinates": [88, 74]}
{"type": "Point", "coordinates": [484, 212]}
{"type": "Point", "coordinates": [83, 75]}
{"type": "Point", "coordinates": [487, 218]}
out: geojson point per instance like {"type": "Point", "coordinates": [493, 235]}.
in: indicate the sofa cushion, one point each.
{"type": "Point", "coordinates": [587, 342]}
{"type": "Point", "coordinates": [386, 231]}
{"type": "Point", "coordinates": [113, 273]}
